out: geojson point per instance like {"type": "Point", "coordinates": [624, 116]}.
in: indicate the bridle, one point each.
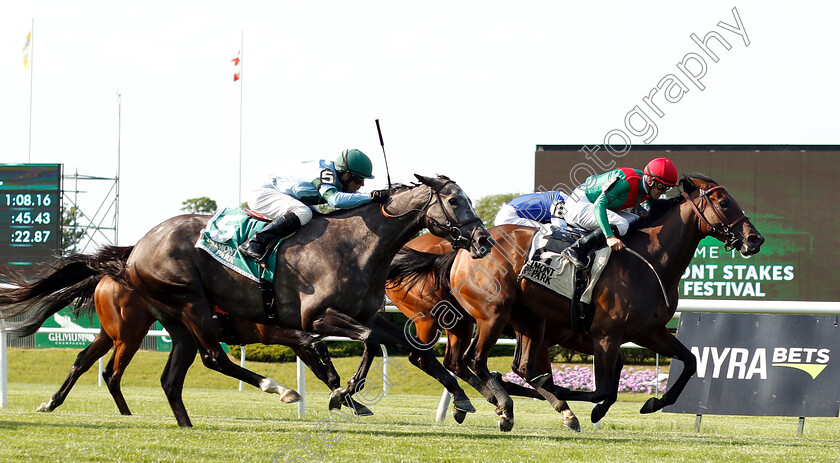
{"type": "Point", "coordinates": [452, 225]}
{"type": "Point", "coordinates": [724, 229]}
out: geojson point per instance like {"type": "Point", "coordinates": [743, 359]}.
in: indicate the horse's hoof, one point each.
{"type": "Point", "coordinates": [652, 405]}
{"type": "Point", "coordinates": [572, 423]}
{"type": "Point", "coordinates": [464, 405]}
{"type": "Point", "coordinates": [290, 397]}
{"type": "Point", "coordinates": [361, 410]}
{"type": "Point", "coordinates": [44, 407]}
{"type": "Point", "coordinates": [598, 412]}
{"type": "Point", "coordinates": [459, 415]}
{"type": "Point", "coordinates": [505, 423]}
{"type": "Point", "coordinates": [335, 400]}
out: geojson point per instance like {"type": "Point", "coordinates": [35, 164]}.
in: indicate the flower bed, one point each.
{"type": "Point", "coordinates": [578, 378]}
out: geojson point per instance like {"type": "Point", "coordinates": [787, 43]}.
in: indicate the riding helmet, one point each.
{"type": "Point", "coordinates": [663, 170]}
{"type": "Point", "coordinates": [355, 162]}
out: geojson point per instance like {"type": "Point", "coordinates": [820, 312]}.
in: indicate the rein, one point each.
{"type": "Point", "coordinates": [725, 229]}
{"type": "Point", "coordinates": [661, 286]}
{"type": "Point", "coordinates": [452, 225]}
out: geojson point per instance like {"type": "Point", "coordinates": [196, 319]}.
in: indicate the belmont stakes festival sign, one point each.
{"type": "Point", "coordinates": [773, 365]}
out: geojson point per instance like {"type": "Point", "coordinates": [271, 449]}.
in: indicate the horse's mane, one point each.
{"type": "Point", "coordinates": [661, 207]}
{"type": "Point", "coordinates": [410, 266]}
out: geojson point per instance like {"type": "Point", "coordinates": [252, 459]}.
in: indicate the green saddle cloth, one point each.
{"type": "Point", "coordinates": [221, 239]}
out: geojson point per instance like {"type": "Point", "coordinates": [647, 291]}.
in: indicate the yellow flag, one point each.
{"type": "Point", "coordinates": [27, 48]}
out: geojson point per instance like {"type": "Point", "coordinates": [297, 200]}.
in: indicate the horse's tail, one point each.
{"type": "Point", "coordinates": [410, 266]}
{"type": "Point", "coordinates": [70, 281]}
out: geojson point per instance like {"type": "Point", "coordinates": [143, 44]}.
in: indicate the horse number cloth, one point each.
{"type": "Point", "coordinates": [555, 272]}
{"type": "Point", "coordinates": [223, 235]}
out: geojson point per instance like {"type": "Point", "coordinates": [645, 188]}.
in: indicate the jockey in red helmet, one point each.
{"type": "Point", "coordinates": [603, 200]}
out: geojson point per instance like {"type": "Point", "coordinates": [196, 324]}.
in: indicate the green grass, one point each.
{"type": "Point", "coordinates": [252, 426]}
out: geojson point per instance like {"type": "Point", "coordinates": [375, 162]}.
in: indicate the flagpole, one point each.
{"type": "Point", "coordinates": [31, 73]}
{"type": "Point", "coordinates": [241, 84]}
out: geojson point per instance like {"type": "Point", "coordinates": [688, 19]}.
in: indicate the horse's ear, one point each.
{"type": "Point", "coordinates": [687, 185]}
{"type": "Point", "coordinates": [428, 181]}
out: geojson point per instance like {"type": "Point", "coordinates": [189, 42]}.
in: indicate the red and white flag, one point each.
{"type": "Point", "coordinates": [237, 70]}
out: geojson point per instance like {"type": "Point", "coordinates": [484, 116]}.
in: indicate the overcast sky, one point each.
{"type": "Point", "coordinates": [465, 89]}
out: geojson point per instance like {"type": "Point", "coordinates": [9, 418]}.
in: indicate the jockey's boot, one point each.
{"type": "Point", "coordinates": [578, 253]}
{"type": "Point", "coordinates": [258, 246]}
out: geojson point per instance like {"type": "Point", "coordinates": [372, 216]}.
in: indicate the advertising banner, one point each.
{"type": "Point", "coordinates": [65, 319]}
{"type": "Point", "coordinates": [773, 365]}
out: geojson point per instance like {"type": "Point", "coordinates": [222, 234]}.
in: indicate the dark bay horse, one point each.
{"type": "Point", "coordinates": [629, 301]}
{"type": "Point", "coordinates": [419, 286]}
{"type": "Point", "coordinates": [330, 281]}
{"type": "Point", "coordinates": [125, 321]}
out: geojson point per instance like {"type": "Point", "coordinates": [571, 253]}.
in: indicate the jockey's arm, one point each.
{"type": "Point", "coordinates": [342, 200]}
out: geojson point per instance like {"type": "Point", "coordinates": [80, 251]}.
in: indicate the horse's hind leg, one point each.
{"type": "Point", "coordinates": [86, 358]}
{"type": "Point", "coordinates": [180, 359]}
{"type": "Point", "coordinates": [123, 353]}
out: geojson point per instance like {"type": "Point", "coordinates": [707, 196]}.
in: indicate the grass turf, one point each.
{"type": "Point", "coordinates": [253, 426]}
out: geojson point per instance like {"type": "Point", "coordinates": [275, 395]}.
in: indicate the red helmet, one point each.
{"type": "Point", "coordinates": [663, 170]}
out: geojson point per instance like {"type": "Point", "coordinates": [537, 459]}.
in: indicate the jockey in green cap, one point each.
{"type": "Point", "coordinates": [602, 201]}
{"type": "Point", "coordinates": [289, 199]}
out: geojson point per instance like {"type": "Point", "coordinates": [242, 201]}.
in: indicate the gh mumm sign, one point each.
{"type": "Point", "coordinates": [775, 365]}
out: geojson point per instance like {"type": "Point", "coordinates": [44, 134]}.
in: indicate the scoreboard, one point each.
{"type": "Point", "coordinates": [30, 213]}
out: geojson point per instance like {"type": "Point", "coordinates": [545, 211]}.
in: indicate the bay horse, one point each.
{"type": "Point", "coordinates": [629, 301]}
{"type": "Point", "coordinates": [125, 321]}
{"type": "Point", "coordinates": [330, 281]}
{"type": "Point", "coordinates": [419, 286]}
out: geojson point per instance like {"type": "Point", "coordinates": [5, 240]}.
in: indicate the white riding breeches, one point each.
{"type": "Point", "coordinates": [507, 215]}
{"type": "Point", "coordinates": [272, 204]}
{"type": "Point", "coordinates": [580, 212]}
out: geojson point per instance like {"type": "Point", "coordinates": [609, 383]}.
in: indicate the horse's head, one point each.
{"type": "Point", "coordinates": [719, 215]}
{"type": "Point", "coordinates": [450, 215]}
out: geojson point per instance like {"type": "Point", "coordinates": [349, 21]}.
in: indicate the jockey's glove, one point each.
{"type": "Point", "coordinates": [380, 196]}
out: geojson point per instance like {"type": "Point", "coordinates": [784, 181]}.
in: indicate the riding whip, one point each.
{"type": "Point", "coordinates": [382, 144]}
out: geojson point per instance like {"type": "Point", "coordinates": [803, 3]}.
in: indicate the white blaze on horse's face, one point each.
{"type": "Point", "coordinates": [452, 216]}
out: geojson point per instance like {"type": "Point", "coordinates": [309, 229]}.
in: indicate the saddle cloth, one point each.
{"type": "Point", "coordinates": [222, 236]}
{"type": "Point", "coordinates": [547, 268]}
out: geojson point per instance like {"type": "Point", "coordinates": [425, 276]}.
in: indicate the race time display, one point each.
{"type": "Point", "coordinates": [30, 213]}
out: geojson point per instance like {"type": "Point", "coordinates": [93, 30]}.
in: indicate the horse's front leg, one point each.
{"type": "Point", "coordinates": [196, 317]}
{"type": "Point", "coordinates": [335, 323]}
{"type": "Point", "coordinates": [422, 358]}
{"type": "Point", "coordinates": [317, 358]}
{"type": "Point", "coordinates": [664, 343]}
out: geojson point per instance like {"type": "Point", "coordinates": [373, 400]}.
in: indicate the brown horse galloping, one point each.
{"type": "Point", "coordinates": [125, 321]}
{"type": "Point", "coordinates": [419, 285]}
{"type": "Point", "coordinates": [629, 301]}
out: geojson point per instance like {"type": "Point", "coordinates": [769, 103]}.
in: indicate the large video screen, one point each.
{"type": "Point", "coordinates": [785, 190]}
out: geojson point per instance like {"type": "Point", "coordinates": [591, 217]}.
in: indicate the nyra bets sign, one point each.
{"type": "Point", "coordinates": [776, 365]}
